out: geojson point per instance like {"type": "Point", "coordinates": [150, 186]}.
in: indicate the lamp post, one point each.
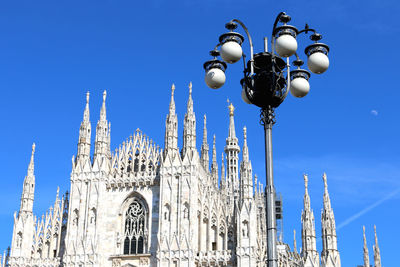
{"type": "Point", "coordinates": [264, 84]}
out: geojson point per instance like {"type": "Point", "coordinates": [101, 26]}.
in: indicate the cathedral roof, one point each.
{"type": "Point", "coordinates": [138, 155]}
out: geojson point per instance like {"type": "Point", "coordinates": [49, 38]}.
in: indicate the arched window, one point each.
{"type": "Point", "coordinates": [135, 228]}
{"type": "Point", "coordinates": [186, 211]}
{"type": "Point", "coordinates": [92, 216]}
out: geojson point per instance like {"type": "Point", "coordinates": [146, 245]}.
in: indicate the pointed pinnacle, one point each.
{"type": "Point", "coordinates": [325, 181]}
{"type": "Point", "coordinates": [365, 239]}
{"type": "Point", "coordinates": [33, 149]}
{"type": "Point", "coordinates": [205, 130]}
{"type": "Point", "coordinates": [86, 111]}
{"type": "Point", "coordinates": [305, 176]}
{"type": "Point", "coordinates": [104, 96]}
{"type": "Point", "coordinates": [172, 102]}
{"type": "Point", "coordinates": [32, 163]}
{"type": "Point", "coordinates": [190, 88]}
{"type": "Point", "coordinates": [172, 90]}
{"type": "Point", "coordinates": [214, 149]}
{"type": "Point", "coordinates": [103, 107]}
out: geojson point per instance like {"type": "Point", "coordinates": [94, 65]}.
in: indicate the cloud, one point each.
{"type": "Point", "coordinates": [374, 112]}
{"type": "Point", "coordinates": [367, 209]}
{"type": "Point", "coordinates": [351, 179]}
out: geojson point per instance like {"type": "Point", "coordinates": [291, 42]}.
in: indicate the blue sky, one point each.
{"type": "Point", "coordinates": [52, 52]}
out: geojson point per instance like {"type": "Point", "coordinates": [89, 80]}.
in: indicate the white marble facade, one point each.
{"type": "Point", "coordinates": [146, 206]}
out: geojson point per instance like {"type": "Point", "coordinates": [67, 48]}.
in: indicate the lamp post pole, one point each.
{"type": "Point", "coordinates": [264, 85]}
{"type": "Point", "coordinates": [267, 120]}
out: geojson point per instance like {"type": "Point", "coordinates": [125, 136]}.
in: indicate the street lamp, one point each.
{"type": "Point", "coordinates": [264, 84]}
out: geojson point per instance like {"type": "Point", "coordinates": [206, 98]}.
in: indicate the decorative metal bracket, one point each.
{"type": "Point", "coordinates": [267, 117]}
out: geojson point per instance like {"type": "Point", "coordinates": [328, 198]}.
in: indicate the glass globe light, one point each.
{"type": "Point", "coordinates": [215, 78]}
{"type": "Point", "coordinates": [299, 85]}
{"type": "Point", "coordinates": [244, 97]}
{"type": "Point", "coordinates": [318, 61]}
{"type": "Point", "coordinates": [286, 45]}
{"type": "Point", "coordinates": [231, 52]}
{"type": "Point", "coordinates": [231, 45]}
{"type": "Point", "coordinates": [215, 71]}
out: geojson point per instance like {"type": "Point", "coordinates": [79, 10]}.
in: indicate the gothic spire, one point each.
{"type": "Point", "coordinates": [172, 102]}
{"type": "Point", "coordinates": [232, 133]}
{"type": "Point", "coordinates": [307, 205]}
{"type": "Point", "coordinates": [84, 133]}
{"type": "Point", "coordinates": [294, 241]}
{"type": "Point", "coordinates": [366, 254]}
{"type": "Point", "coordinates": [246, 176]}
{"type": "Point", "coordinates": [309, 246]}
{"type": "Point", "coordinates": [190, 100]}
{"type": "Point", "coordinates": [103, 115]}
{"type": "Point", "coordinates": [204, 147]}
{"type": "Point", "coordinates": [102, 144]}
{"type": "Point", "coordinates": [223, 178]}
{"type": "Point", "coordinates": [31, 167]}
{"type": "Point", "coordinates": [189, 127]}
{"type": "Point", "coordinates": [28, 190]}
{"type": "Point", "coordinates": [232, 150]}
{"type": "Point", "coordinates": [214, 164]}
{"type": "Point", "coordinates": [327, 200]}
{"type": "Point", "coordinates": [330, 253]}
{"type": "Point", "coordinates": [86, 114]}
{"type": "Point", "coordinates": [377, 253]}
{"type": "Point", "coordinates": [245, 148]}
{"type": "Point", "coordinates": [171, 127]}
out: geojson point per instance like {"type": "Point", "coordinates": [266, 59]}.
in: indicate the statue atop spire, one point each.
{"type": "Point", "coordinates": [31, 166]}
{"type": "Point", "coordinates": [86, 114]}
{"type": "Point", "coordinates": [172, 102]}
{"type": "Point", "coordinates": [307, 205]}
{"type": "Point", "coordinates": [327, 201]}
{"type": "Point", "coordinates": [231, 109]}
{"type": "Point", "coordinates": [245, 148]}
{"type": "Point", "coordinates": [366, 254]}
{"type": "Point", "coordinates": [377, 253]}
{"type": "Point", "coordinates": [103, 116]}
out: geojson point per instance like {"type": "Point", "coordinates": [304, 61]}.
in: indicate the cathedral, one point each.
{"type": "Point", "coordinates": [142, 205]}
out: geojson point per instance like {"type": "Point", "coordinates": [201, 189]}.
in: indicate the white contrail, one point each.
{"type": "Point", "coordinates": [362, 212]}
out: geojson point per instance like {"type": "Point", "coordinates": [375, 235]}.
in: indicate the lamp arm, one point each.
{"type": "Point", "coordinates": [306, 31]}
{"type": "Point", "coordinates": [273, 31]}
{"type": "Point", "coordinates": [250, 43]}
